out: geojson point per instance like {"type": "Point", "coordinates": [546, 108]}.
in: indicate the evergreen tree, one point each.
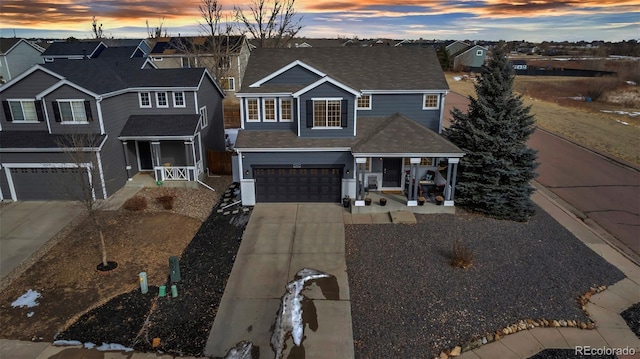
{"type": "Point", "coordinates": [496, 171]}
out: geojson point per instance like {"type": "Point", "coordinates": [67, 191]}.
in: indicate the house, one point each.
{"type": "Point", "coordinates": [135, 118]}
{"type": "Point", "coordinates": [319, 124]}
{"type": "Point", "coordinates": [466, 57]}
{"type": "Point", "coordinates": [142, 46]}
{"type": "Point", "coordinates": [226, 58]}
{"type": "Point", "coordinates": [16, 56]}
{"type": "Point", "coordinates": [73, 50]}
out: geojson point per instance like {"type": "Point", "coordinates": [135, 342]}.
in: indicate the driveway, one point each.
{"type": "Point", "coordinates": [26, 225]}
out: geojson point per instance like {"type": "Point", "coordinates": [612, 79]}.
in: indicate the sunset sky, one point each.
{"type": "Point", "coordinates": [532, 20]}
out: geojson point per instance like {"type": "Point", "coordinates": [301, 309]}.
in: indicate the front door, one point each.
{"type": "Point", "coordinates": [391, 170]}
{"type": "Point", "coordinates": [144, 156]}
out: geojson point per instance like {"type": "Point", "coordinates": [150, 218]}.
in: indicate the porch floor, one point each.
{"type": "Point", "coordinates": [146, 179]}
{"type": "Point", "coordinates": [398, 202]}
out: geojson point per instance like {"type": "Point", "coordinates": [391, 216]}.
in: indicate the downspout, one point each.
{"type": "Point", "coordinates": [98, 101]}
{"type": "Point", "coordinates": [442, 97]}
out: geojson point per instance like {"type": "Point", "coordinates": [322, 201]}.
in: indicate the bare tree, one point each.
{"type": "Point", "coordinates": [97, 29]}
{"type": "Point", "coordinates": [218, 45]}
{"type": "Point", "coordinates": [83, 184]}
{"type": "Point", "coordinates": [272, 23]}
{"type": "Point", "coordinates": [158, 31]}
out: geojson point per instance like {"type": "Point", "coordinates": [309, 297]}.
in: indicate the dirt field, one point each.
{"type": "Point", "coordinates": [555, 103]}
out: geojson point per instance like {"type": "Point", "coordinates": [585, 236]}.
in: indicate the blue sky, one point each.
{"type": "Point", "coordinates": [532, 20]}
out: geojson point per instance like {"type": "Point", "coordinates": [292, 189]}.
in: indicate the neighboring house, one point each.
{"type": "Point", "coordinates": [319, 124]}
{"type": "Point", "coordinates": [139, 118]}
{"type": "Point", "coordinates": [141, 45]}
{"type": "Point", "coordinates": [73, 50]}
{"type": "Point", "coordinates": [229, 63]}
{"type": "Point", "coordinates": [16, 56]}
{"type": "Point", "coordinates": [466, 57]}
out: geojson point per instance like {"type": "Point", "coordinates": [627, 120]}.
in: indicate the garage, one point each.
{"type": "Point", "coordinates": [47, 183]}
{"type": "Point", "coordinates": [322, 184]}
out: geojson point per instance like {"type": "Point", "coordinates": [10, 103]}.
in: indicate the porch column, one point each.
{"type": "Point", "coordinates": [127, 164]}
{"type": "Point", "coordinates": [156, 155]}
{"type": "Point", "coordinates": [360, 163]}
{"type": "Point", "coordinates": [189, 160]}
{"type": "Point", "coordinates": [412, 191]}
{"type": "Point", "coordinates": [453, 164]}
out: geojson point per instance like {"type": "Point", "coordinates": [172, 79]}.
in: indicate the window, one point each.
{"type": "Point", "coordinates": [479, 53]}
{"type": "Point", "coordinates": [178, 99]}
{"type": "Point", "coordinates": [269, 109]}
{"type": "Point", "coordinates": [430, 102]}
{"type": "Point", "coordinates": [286, 107]}
{"type": "Point", "coordinates": [144, 99]}
{"type": "Point", "coordinates": [72, 111]}
{"type": "Point", "coordinates": [161, 99]}
{"type": "Point", "coordinates": [229, 83]}
{"type": "Point", "coordinates": [364, 102]}
{"type": "Point", "coordinates": [23, 111]}
{"type": "Point", "coordinates": [224, 62]}
{"type": "Point", "coordinates": [253, 110]}
{"type": "Point", "coordinates": [326, 113]}
{"type": "Point", "coordinates": [204, 119]}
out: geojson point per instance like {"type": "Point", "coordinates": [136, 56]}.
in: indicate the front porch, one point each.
{"type": "Point", "coordinates": [147, 179]}
{"type": "Point", "coordinates": [398, 202]}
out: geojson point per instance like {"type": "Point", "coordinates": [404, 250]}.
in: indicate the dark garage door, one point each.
{"type": "Point", "coordinates": [47, 183]}
{"type": "Point", "coordinates": [298, 184]}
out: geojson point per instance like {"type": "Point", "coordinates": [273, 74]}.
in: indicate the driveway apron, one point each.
{"type": "Point", "coordinates": [281, 239]}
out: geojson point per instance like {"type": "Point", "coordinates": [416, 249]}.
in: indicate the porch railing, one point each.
{"type": "Point", "coordinates": [173, 173]}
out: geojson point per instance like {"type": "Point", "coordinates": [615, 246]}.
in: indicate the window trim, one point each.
{"type": "Point", "coordinates": [73, 122]}
{"type": "Point", "coordinates": [424, 99]}
{"type": "Point", "coordinates": [370, 103]}
{"type": "Point", "coordinates": [21, 100]}
{"type": "Point", "coordinates": [479, 52]}
{"type": "Point", "coordinates": [326, 99]}
{"type": "Point", "coordinates": [203, 115]}
{"type": "Point", "coordinates": [264, 111]}
{"type": "Point", "coordinates": [166, 99]}
{"type": "Point", "coordinates": [257, 119]}
{"type": "Point", "coordinates": [280, 118]}
{"type": "Point", "coordinates": [184, 103]}
{"type": "Point", "coordinates": [140, 99]}
{"type": "Point", "coordinates": [233, 82]}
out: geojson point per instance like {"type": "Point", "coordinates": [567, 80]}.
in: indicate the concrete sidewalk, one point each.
{"type": "Point", "coordinates": [611, 330]}
{"type": "Point", "coordinates": [281, 239]}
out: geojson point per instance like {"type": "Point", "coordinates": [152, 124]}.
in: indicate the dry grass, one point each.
{"type": "Point", "coordinates": [579, 121]}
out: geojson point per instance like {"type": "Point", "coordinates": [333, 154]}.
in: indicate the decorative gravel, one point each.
{"type": "Point", "coordinates": [407, 301]}
{"type": "Point", "coordinates": [632, 316]}
{"type": "Point", "coordinates": [568, 354]}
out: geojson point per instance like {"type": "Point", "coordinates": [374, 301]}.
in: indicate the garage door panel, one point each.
{"type": "Point", "coordinates": [48, 183]}
{"type": "Point", "coordinates": [298, 184]}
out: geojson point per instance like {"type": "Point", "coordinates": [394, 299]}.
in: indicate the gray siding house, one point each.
{"type": "Point", "coordinates": [16, 56]}
{"type": "Point", "coordinates": [73, 50]}
{"type": "Point", "coordinates": [466, 57]}
{"type": "Point", "coordinates": [319, 124]}
{"type": "Point", "coordinates": [133, 116]}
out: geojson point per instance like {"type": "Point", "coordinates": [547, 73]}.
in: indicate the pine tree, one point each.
{"type": "Point", "coordinates": [496, 171]}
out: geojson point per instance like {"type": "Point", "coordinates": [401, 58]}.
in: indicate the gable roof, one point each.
{"type": "Point", "coordinates": [8, 44]}
{"type": "Point", "coordinates": [74, 48]}
{"type": "Point", "coordinates": [167, 46]}
{"type": "Point", "coordinates": [467, 49]}
{"type": "Point", "coordinates": [368, 68]}
{"type": "Point", "coordinates": [157, 126]}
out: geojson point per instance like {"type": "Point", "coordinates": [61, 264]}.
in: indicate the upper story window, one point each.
{"type": "Point", "coordinates": [229, 83]}
{"type": "Point", "coordinates": [161, 99]}
{"type": "Point", "coordinates": [71, 111]}
{"type": "Point", "coordinates": [253, 110]}
{"type": "Point", "coordinates": [479, 53]}
{"type": "Point", "coordinates": [269, 109]}
{"type": "Point", "coordinates": [364, 102]}
{"type": "Point", "coordinates": [144, 99]}
{"type": "Point", "coordinates": [326, 113]}
{"type": "Point", "coordinates": [204, 119]}
{"type": "Point", "coordinates": [21, 111]}
{"type": "Point", "coordinates": [178, 99]}
{"type": "Point", "coordinates": [430, 102]}
{"type": "Point", "coordinates": [286, 107]}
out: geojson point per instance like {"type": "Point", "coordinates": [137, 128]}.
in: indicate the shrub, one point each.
{"type": "Point", "coordinates": [598, 87]}
{"type": "Point", "coordinates": [166, 201]}
{"type": "Point", "coordinates": [135, 203]}
{"type": "Point", "coordinates": [462, 256]}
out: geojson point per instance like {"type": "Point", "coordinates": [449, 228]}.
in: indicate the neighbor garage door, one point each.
{"type": "Point", "coordinates": [47, 183]}
{"type": "Point", "coordinates": [298, 184]}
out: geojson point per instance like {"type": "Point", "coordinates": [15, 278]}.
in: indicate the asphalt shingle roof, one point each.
{"type": "Point", "coordinates": [368, 68]}
{"type": "Point", "coordinates": [36, 139]}
{"type": "Point", "coordinates": [160, 125]}
{"type": "Point", "coordinates": [71, 48]}
{"type": "Point", "coordinates": [384, 135]}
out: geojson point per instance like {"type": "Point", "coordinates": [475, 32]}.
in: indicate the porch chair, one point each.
{"type": "Point", "coordinates": [372, 183]}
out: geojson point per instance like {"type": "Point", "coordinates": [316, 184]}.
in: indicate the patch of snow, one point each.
{"type": "Point", "coordinates": [632, 83]}
{"type": "Point", "coordinates": [89, 345]}
{"type": "Point", "coordinates": [30, 314]}
{"type": "Point", "coordinates": [457, 78]}
{"type": "Point", "coordinates": [112, 346]}
{"type": "Point", "coordinates": [622, 122]}
{"type": "Point", "coordinates": [66, 342]}
{"type": "Point", "coordinates": [27, 300]}
{"type": "Point", "coordinates": [242, 350]}
{"type": "Point", "coordinates": [627, 113]}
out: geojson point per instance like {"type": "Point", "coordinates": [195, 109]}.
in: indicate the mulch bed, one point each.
{"type": "Point", "coordinates": [632, 316]}
{"type": "Point", "coordinates": [407, 301]}
{"type": "Point", "coordinates": [182, 323]}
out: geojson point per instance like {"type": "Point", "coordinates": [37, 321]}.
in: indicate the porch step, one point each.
{"type": "Point", "coordinates": [402, 217]}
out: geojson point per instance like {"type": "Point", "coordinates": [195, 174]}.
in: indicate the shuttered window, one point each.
{"type": "Point", "coordinates": [72, 111]}
{"type": "Point", "coordinates": [23, 111]}
{"type": "Point", "coordinates": [326, 113]}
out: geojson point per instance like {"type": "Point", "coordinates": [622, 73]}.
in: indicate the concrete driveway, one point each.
{"type": "Point", "coordinates": [26, 226]}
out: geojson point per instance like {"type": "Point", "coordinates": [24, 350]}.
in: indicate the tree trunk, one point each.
{"type": "Point", "coordinates": [103, 248]}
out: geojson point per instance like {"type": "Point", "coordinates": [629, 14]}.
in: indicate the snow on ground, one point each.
{"type": "Point", "coordinates": [27, 300]}
{"type": "Point", "coordinates": [89, 345]}
{"type": "Point", "coordinates": [627, 113]}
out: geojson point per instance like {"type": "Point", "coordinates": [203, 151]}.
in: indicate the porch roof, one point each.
{"type": "Point", "coordinates": [150, 127]}
{"type": "Point", "coordinates": [394, 135]}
